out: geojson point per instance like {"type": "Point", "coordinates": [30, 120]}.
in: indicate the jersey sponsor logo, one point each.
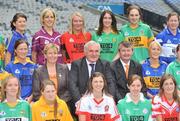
{"type": "Point", "coordinates": [106, 108]}
{"type": "Point", "coordinates": [17, 71]}
{"type": "Point", "coordinates": [171, 119]}
{"type": "Point", "coordinates": [53, 120]}
{"type": "Point", "coordinates": [13, 119]}
{"type": "Point", "coordinates": [136, 41]}
{"type": "Point", "coordinates": [136, 118]}
{"type": "Point", "coordinates": [155, 81]}
{"type": "Point", "coordinates": [97, 117]}
{"type": "Point", "coordinates": [106, 45]}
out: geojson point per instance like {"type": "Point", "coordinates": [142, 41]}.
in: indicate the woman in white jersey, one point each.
{"type": "Point", "coordinates": [97, 103]}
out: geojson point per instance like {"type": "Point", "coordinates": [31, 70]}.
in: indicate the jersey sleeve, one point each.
{"type": "Point", "coordinates": [8, 68]}
{"type": "Point", "coordinates": [156, 107]}
{"type": "Point", "coordinates": [114, 112]}
{"type": "Point", "coordinates": [150, 35]}
{"type": "Point", "coordinates": [35, 43]}
{"type": "Point", "coordinates": [10, 47]}
{"type": "Point", "coordinates": [82, 107]}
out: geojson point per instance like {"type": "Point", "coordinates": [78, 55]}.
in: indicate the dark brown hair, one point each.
{"type": "Point", "coordinates": [125, 44]}
{"type": "Point", "coordinates": [113, 24]}
{"type": "Point", "coordinates": [172, 14]}
{"type": "Point", "coordinates": [18, 42]}
{"type": "Point", "coordinates": [178, 48]}
{"type": "Point", "coordinates": [161, 90]}
{"type": "Point", "coordinates": [90, 88]}
{"type": "Point", "coordinates": [134, 7]}
{"type": "Point", "coordinates": [15, 18]}
{"type": "Point", "coordinates": [134, 77]}
{"type": "Point", "coordinates": [43, 86]}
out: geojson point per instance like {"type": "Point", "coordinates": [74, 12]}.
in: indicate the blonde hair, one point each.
{"type": "Point", "coordinates": [4, 84]}
{"type": "Point", "coordinates": [49, 46]}
{"type": "Point", "coordinates": [44, 12]}
{"type": "Point", "coordinates": [155, 43]}
{"type": "Point", "coordinates": [71, 22]}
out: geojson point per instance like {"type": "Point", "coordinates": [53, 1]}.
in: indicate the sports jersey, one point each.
{"type": "Point", "coordinates": [43, 112]}
{"type": "Point", "coordinates": [40, 39]}
{"type": "Point", "coordinates": [104, 110]}
{"type": "Point", "coordinates": [174, 69]}
{"type": "Point", "coordinates": [169, 43]}
{"type": "Point", "coordinates": [140, 37]}
{"type": "Point", "coordinates": [2, 51]}
{"type": "Point", "coordinates": [109, 44]}
{"type": "Point", "coordinates": [169, 112]}
{"type": "Point", "coordinates": [130, 111]}
{"type": "Point", "coordinates": [73, 44]}
{"type": "Point", "coordinates": [24, 72]}
{"type": "Point", "coordinates": [152, 76]}
{"type": "Point", "coordinates": [16, 36]}
{"type": "Point", "coordinates": [20, 112]}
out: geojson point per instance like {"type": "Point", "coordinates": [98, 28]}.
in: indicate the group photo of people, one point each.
{"type": "Point", "coordinates": [125, 73]}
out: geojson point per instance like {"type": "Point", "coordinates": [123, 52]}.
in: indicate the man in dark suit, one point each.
{"type": "Point", "coordinates": [123, 68]}
{"type": "Point", "coordinates": [81, 71]}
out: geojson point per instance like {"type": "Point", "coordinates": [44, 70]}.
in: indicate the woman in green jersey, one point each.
{"type": "Point", "coordinates": [107, 36]}
{"type": "Point", "coordinates": [12, 108]}
{"type": "Point", "coordinates": [134, 107]}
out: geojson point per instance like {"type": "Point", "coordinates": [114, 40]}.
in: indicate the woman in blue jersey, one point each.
{"type": "Point", "coordinates": [169, 38]}
{"type": "Point", "coordinates": [22, 67]}
{"type": "Point", "coordinates": [11, 107]}
{"type": "Point", "coordinates": [153, 68]}
{"type": "Point", "coordinates": [135, 107]}
{"type": "Point", "coordinates": [18, 27]}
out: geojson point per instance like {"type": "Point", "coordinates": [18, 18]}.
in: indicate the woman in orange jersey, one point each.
{"type": "Point", "coordinates": [74, 39]}
{"type": "Point", "coordinates": [49, 107]}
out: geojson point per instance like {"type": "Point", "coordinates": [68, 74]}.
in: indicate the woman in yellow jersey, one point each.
{"type": "Point", "coordinates": [12, 108]}
{"type": "Point", "coordinates": [138, 33]}
{"type": "Point", "coordinates": [49, 107]}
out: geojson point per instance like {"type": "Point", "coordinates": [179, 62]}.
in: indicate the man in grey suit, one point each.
{"type": "Point", "coordinates": [123, 68]}
{"type": "Point", "coordinates": [81, 71]}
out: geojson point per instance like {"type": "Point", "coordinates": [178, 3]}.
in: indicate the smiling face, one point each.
{"type": "Point", "coordinates": [21, 51]}
{"type": "Point", "coordinates": [20, 24]}
{"type": "Point", "coordinates": [77, 23]}
{"type": "Point", "coordinates": [51, 55]}
{"type": "Point", "coordinates": [48, 19]}
{"type": "Point", "coordinates": [168, 86]}
{"type": "Point", "coordinates": [135, 87]}
{"type": "Point", "coordinates": [12, 87]}
{"type": "Point", "coordinates": [173, 23]}
{"type": "Point", "coordinates": [154, 51]}
{"type": "Point", "coordinates": [125, 53]}
{"type": "Point", "coordinates": [107, 20]}
{"type": "Point", "coordinates": [134, 16]}
{"type": "Point", "coordinates": [92, 53]}
{"type": "Point", "coordinates": [49, 93]}
{"type": "Point", "coordinates": [98, 84]}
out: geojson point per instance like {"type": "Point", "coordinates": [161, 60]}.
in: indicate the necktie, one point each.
{"type": "Point", "coordinates": [92, 68]}
{"type": "Point", "coordinates": [127, 70]}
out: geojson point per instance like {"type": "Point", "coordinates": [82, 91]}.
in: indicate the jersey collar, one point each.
{"type": "Point", "coordinates": [27, 60]}
{"type": "Point", "coordinates": [128, 98]}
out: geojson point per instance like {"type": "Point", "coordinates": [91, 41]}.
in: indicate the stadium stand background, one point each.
{"type": "Point", "coordinates": [154, 12]}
